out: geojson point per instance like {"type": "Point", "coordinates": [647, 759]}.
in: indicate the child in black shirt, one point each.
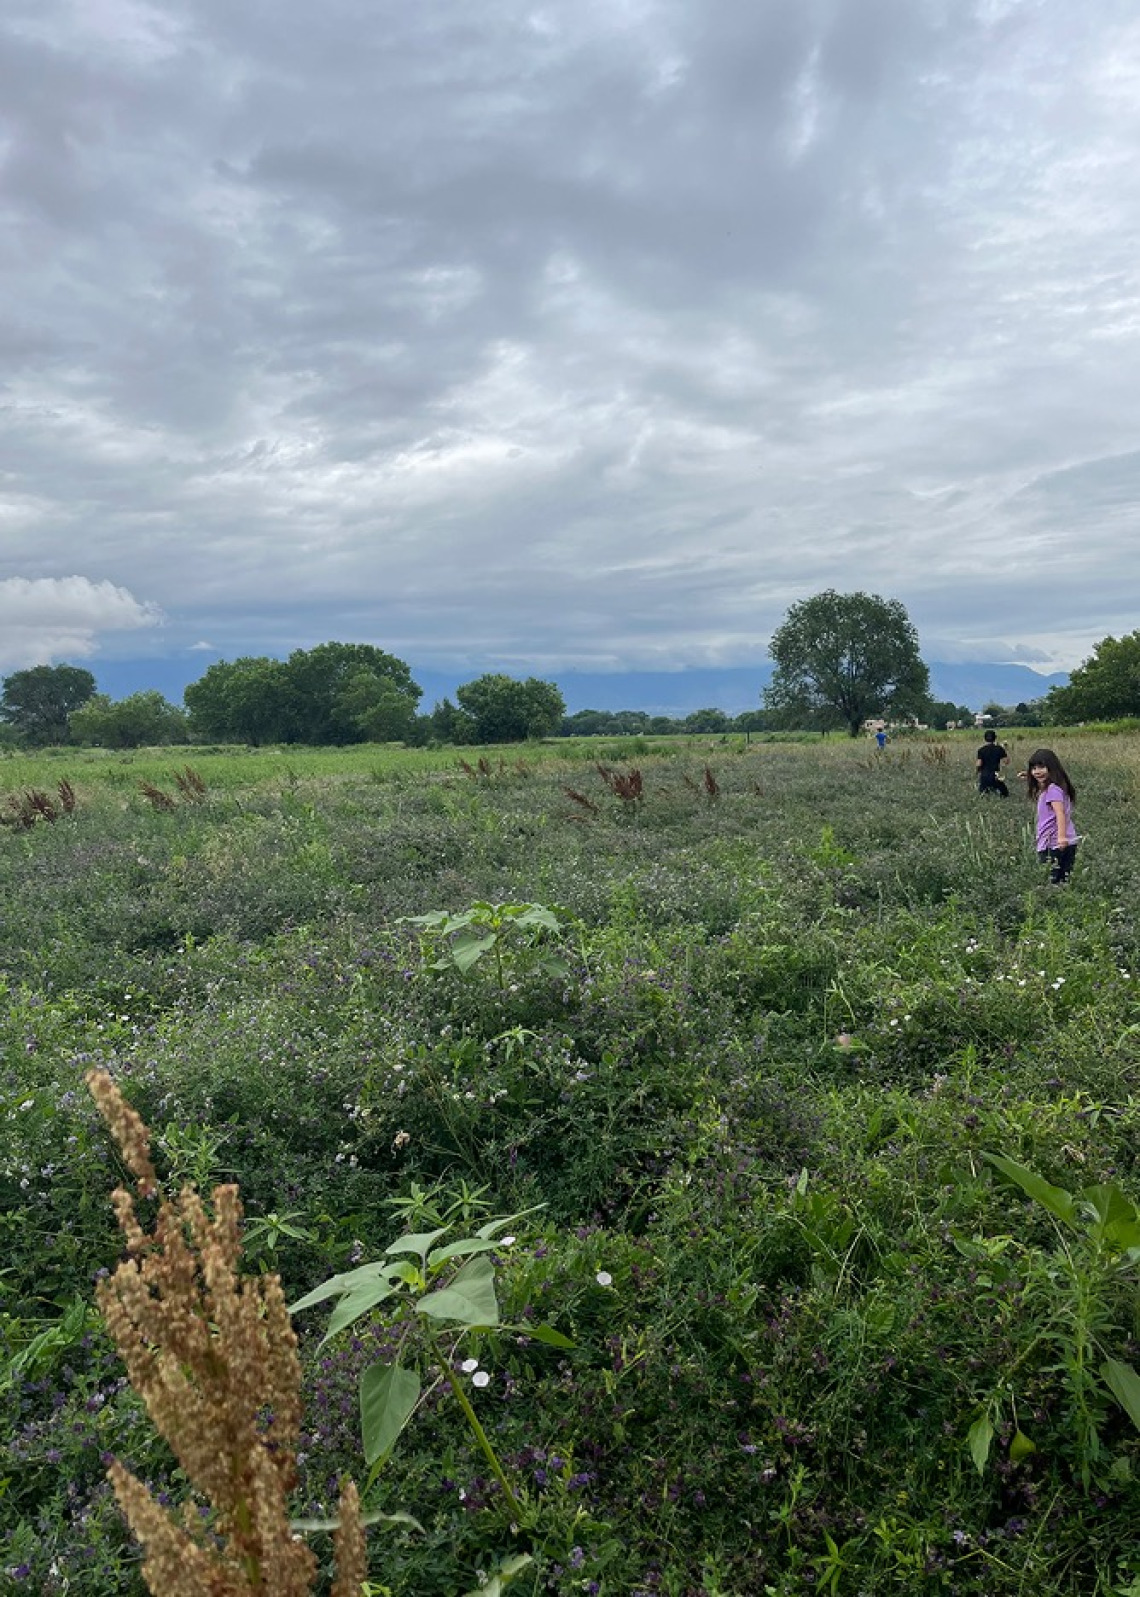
{"type": "Point", "coordinates": [991, 757]}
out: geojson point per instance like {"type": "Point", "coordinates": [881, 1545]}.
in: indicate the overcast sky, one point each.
{"type": "Point", "coordinates": [583, 334]}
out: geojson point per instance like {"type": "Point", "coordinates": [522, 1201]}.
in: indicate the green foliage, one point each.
{"type": "Point", "coordinates": [605, 723]}
{"type": "Point", "coordinates": [511, 937]}
{"type": "Point", "coordinates": [248, 700]}
{"type": "Point", "coordinates": [38, 703]}
{"type": "Point", "coordinates": [343, 692]}
{"type": "Point", "coordinates": [842, 657]}
{"type": "Point", "coordinates": [503, 710]}
{"type": "Point", "coordinates": [335, 693]}
{"type": "Point", "coordinates": [1106, 687]}
{"type": "Point", "coordinates": [1088, 1291]}
{"type": "Point", "coordinates": [377, 707]}
{"type": "Point", "coordinates": [140, 720]}
{"type": "Point", "coordinates": [754, 1094]}
{"type": "Point", "coordinates": [1033, 713]}
{"type": "Point", "coordinates": [710, 720]}
{"type": "Point", "coordinates": [942, 713]}
{"type": "Point", "coordinates": [408, 1280]}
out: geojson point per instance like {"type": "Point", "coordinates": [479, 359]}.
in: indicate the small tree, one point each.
{"type": "Point", "coordinates": [504, 710]}
{"type": "Point", "coordinates": [39, 702]}
{"type": "Point", "coordinates": [710, 720]}
{"type": "Point", "coordinates": [843, 657]}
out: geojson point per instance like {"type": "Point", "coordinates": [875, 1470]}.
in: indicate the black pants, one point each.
{"type": "Point", "coordinates": [1061, 860]}
{"type": "Point", "coordinates": [992, 784]}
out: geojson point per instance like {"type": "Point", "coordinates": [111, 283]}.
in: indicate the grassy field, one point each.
{"type": "Point", "coordinates": [795, 998]}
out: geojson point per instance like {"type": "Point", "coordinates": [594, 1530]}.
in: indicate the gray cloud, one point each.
{"type": "Point", "coordinates": [572, 335]}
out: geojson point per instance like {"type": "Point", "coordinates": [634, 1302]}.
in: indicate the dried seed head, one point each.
{"type": "Point", "coordinates": [214, 1357]}
{"type": "Point", "coordinates": [127, 1129]}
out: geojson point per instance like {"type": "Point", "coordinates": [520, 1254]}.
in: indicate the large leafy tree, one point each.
{"type": "Point", "coordinates": [141, 720]}
{"type": "Point", "coordinates": [335, 693]}
{"type": "Point", "coordinates": [842, 657]}
{"type": "Point", "coordinates": [330, 693]}
{"type": "Point", "coordinates": [1104, 688]}
{"type": "Point", "coordinates": [39, 702]}
{"type": "Point", "coordinates": [243, 701]}
{"type": "Point", "coordinates": [505, 710]}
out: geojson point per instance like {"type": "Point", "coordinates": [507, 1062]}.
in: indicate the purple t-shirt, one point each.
{"type": "Point", "coordinates": [1047, 820]}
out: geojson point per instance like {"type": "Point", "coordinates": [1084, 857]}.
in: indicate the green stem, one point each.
{"type": "Point", "coordinates": [517, 1513]}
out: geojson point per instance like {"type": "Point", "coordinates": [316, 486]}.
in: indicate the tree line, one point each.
{"type": "Point", "coordinates": [840, 660]}
{"type": "Point", "coordinates": [334, 694]}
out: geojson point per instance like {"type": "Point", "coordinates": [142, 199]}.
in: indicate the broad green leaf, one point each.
{"type": "Point", "coordinates": [469, 1299]}
{"type": "Point", "coordinates": [1021, 1447]}
{"type": "Point", "coordinates": [355, 1304]}
{"type": "Point", "coordinates": [1118, 1219]}
{"type": "Point", "coordinates": [458, 1250]}
{"type": "Point", "coordinates": [544, 1333]}
{"type": "Point", "coordinates": [388, 1396]}
{"type": "Point", "coordinates": [338, 1285]}
{"type": "Point", "coordinates": [415, 1242]}
{"type": "Point", "coordinates": [1124, 1384]}
{"type": "Point", "coordinates": [980, 1439]}
{"type": "Point", "coordinates": [1124, 1235]}
{"type": "Point", "coordinates": [1110, 1203]}
{"type": "Point", "coordinates": [1055, 1199]}
{"type": "Point", "coordinates": [467, 950]}
{"type": "Point", "coordinates": [968, 1248]}
{"type": "Point", "coordinates": [369, 1516]}
{"type": "Point", "coordinates": [538, 915]}
{"type": "Point", "coordinates": [493, 1227]}
{"type": "Point", "coordinates": [1117, 1216]}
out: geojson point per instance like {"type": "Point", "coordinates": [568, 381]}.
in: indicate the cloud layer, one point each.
{"type": "Point", "coordinates": [568, 336]}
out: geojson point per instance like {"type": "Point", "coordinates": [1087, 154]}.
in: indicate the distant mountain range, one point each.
{"type": "Point", "coordinates": [672, 693]}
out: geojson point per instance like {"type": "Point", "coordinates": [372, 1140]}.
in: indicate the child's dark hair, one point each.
{"type": "Point", "coordinates": [1056, 772]}
{"type": "Point", "coordinates": [990, 736]}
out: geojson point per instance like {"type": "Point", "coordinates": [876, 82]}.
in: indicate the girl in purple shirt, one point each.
{"type": "Point", "coordinates": [1049, 784]}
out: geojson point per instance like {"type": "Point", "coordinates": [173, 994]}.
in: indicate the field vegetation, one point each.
{"type": "Point", "coordinates": [816, 1111]}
